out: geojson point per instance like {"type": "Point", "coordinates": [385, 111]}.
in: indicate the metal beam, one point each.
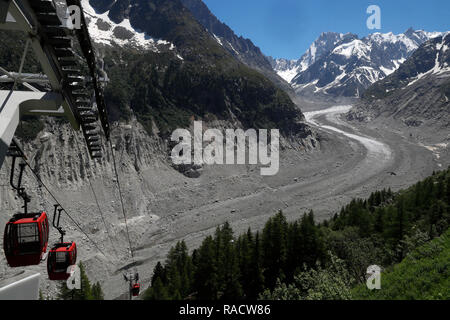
{"type": "Point", "coordinates": [4, 5]}
{"type": "Point", "coordinates": [9, 120]}
{"type": "Point", "coordinates": [27, 22]}
{"type": "Point", "coordinates": [17, 103]}
{"type": "Point", "coordinates": [24, 77]}
{"type": "Point", "coordinates": [48, 38]}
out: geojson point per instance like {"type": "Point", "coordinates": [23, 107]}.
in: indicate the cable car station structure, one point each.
{"type": "Point", "coordinates": [69, 86]}
{"type": "Point", "coordinates": [53, 45]}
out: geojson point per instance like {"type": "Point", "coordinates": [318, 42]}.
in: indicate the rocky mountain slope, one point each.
{"type": "Point", "coordinates": [347, 65]}
{"type": "Point", "coordinates": [417, 95]}
{"type": "Point", "coordinates": [196, 77]}
{"type": "Point", "coordinates": [241, 48]}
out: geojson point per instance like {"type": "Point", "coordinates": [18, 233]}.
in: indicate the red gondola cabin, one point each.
{"type": "Point", "coordinates": [25, 239]}
{"type": "Point", "coordinates": [135, 289]}
{"type": "Point", "coordinates": [60, 258]}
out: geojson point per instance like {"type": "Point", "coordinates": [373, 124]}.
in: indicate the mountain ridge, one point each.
{"type": "Point", "coordinates": [349, 66]}
{"type": "Point", "coordinates": [417, 94]}
{"type": "Point", "coordinates": [288, 69]}
{"type": "Point", "coordinates": [241, 48]}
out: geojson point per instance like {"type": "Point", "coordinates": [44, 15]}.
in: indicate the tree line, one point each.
{"type": "Point", "coordinates": [305, 259]}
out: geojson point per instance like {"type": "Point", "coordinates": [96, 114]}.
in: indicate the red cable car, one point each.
{"type": "Point", "coordinates": [25, 239]}
{"type": "Point", "coordinates": [60, 258]}
{"type": "Point", "coordinates": [135, 289]}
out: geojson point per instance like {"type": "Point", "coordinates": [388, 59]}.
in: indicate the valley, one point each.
{"type": "Point", "coordinates": [164, 206]}
{"type": "Point", "coordinates": [352, 163]}
{"type": "Point", "coordinates": [171, 63]}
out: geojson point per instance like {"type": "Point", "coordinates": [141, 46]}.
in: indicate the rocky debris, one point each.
{"type": "Point", "coordinates": [45, 137]}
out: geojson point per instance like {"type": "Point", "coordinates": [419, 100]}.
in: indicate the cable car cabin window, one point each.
{"type": "Point", "coordinates": [62, 261]}
{"type": "Point", "coordinates": [9, 238]}
{"type": "Point", "coordinates": [28, 238]}
{"type": "Point", "coordinates": [44, 233]}
{"type": "Point", "coordinates": [28, 232]}
{"type": "Point", "coordinates": [61, 257]}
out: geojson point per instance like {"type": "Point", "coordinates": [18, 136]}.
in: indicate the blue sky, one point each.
{"type": "Point", "coordinates": [286, 28]}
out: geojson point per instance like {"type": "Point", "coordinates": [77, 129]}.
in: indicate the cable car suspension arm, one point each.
{"type": "Point", "coordinates": [15, 152]}
{"type": "Point", "coordinates": [57, 213]}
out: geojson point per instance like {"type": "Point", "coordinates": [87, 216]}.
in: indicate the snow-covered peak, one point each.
{"type": "Point", "coordinates": [411, 39]}
{"type": "Point", "coordinates": [288, 69]}
{"type": "Point", "coordinates": [354, 48]}
{"type": "Point", "coordinates": [320, 47]}
{"type": "Point", "coordinates": [354, 64]}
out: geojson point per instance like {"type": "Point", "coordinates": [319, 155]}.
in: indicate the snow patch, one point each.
{"type": "Point", "coordinates": [218, 40]}
{"type": "Point", "coordinates": [288, 74]}
{"type": "Point", "coordinates": [107, 35]}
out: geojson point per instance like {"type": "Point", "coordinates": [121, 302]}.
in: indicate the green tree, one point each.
{"type": "Point", "coordinates": [331, 283]}
{"type": "Point", "coordinates": [206, 276]}
{"type": "Point", "coordinates": [227, 263]}
{"type": "Point", "coordinates": [275, 249]}
{"type": "Point", "coordinates": [97, 292]}
{"type": "Point", "coordinates": [157, 291]}
{"type": "Point", "coordinates": [159, 272]}
{"type": "Point", "coordinates": [256, 276]}
{"type": "Point", "coordinates": [178, 271]}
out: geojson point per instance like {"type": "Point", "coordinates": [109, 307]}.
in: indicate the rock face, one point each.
{"type": "Point", "coordinates": [198, 78]}
{"type": "Point", "coordinates": [119, 23]}
{"type": "Point", "coordinates": [417, 94]}
{"type": "Point", "coordinates": [241, 48]}
{"type": "Point", "coordinates": [345, 66]}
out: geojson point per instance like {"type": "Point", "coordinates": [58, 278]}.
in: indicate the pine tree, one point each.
{"type": "Point", "coordinates": [178, 271]}
{"type": "Point", "coordinates": [206, 277]}
{"type": "Point", "coordinates": [97, 292]}
{"type": "Point", "coordinates": [157, 291]}
{"type": "Point", "coordinates": [256, 283]}
{"type": "Point", "coordinates": [159, 272]}
{"type": "Point", "coordinates": [228, 263]}
{"type": "Point", "coordinates": [295, 254]}
{"type": "Point", "coordinates": [447, 193]}
{"type": "Point", "coordinates": [274, 239]}
{"type": "Point", "coordinates": [244, 249]}
{"type": "Point", "coordinates": [400, 218]}
{"type": "Point", "coordinates": [378, 223]}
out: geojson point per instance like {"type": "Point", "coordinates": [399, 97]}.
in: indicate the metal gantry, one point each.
{"type": "Point", "coordinates": [68, 94]}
